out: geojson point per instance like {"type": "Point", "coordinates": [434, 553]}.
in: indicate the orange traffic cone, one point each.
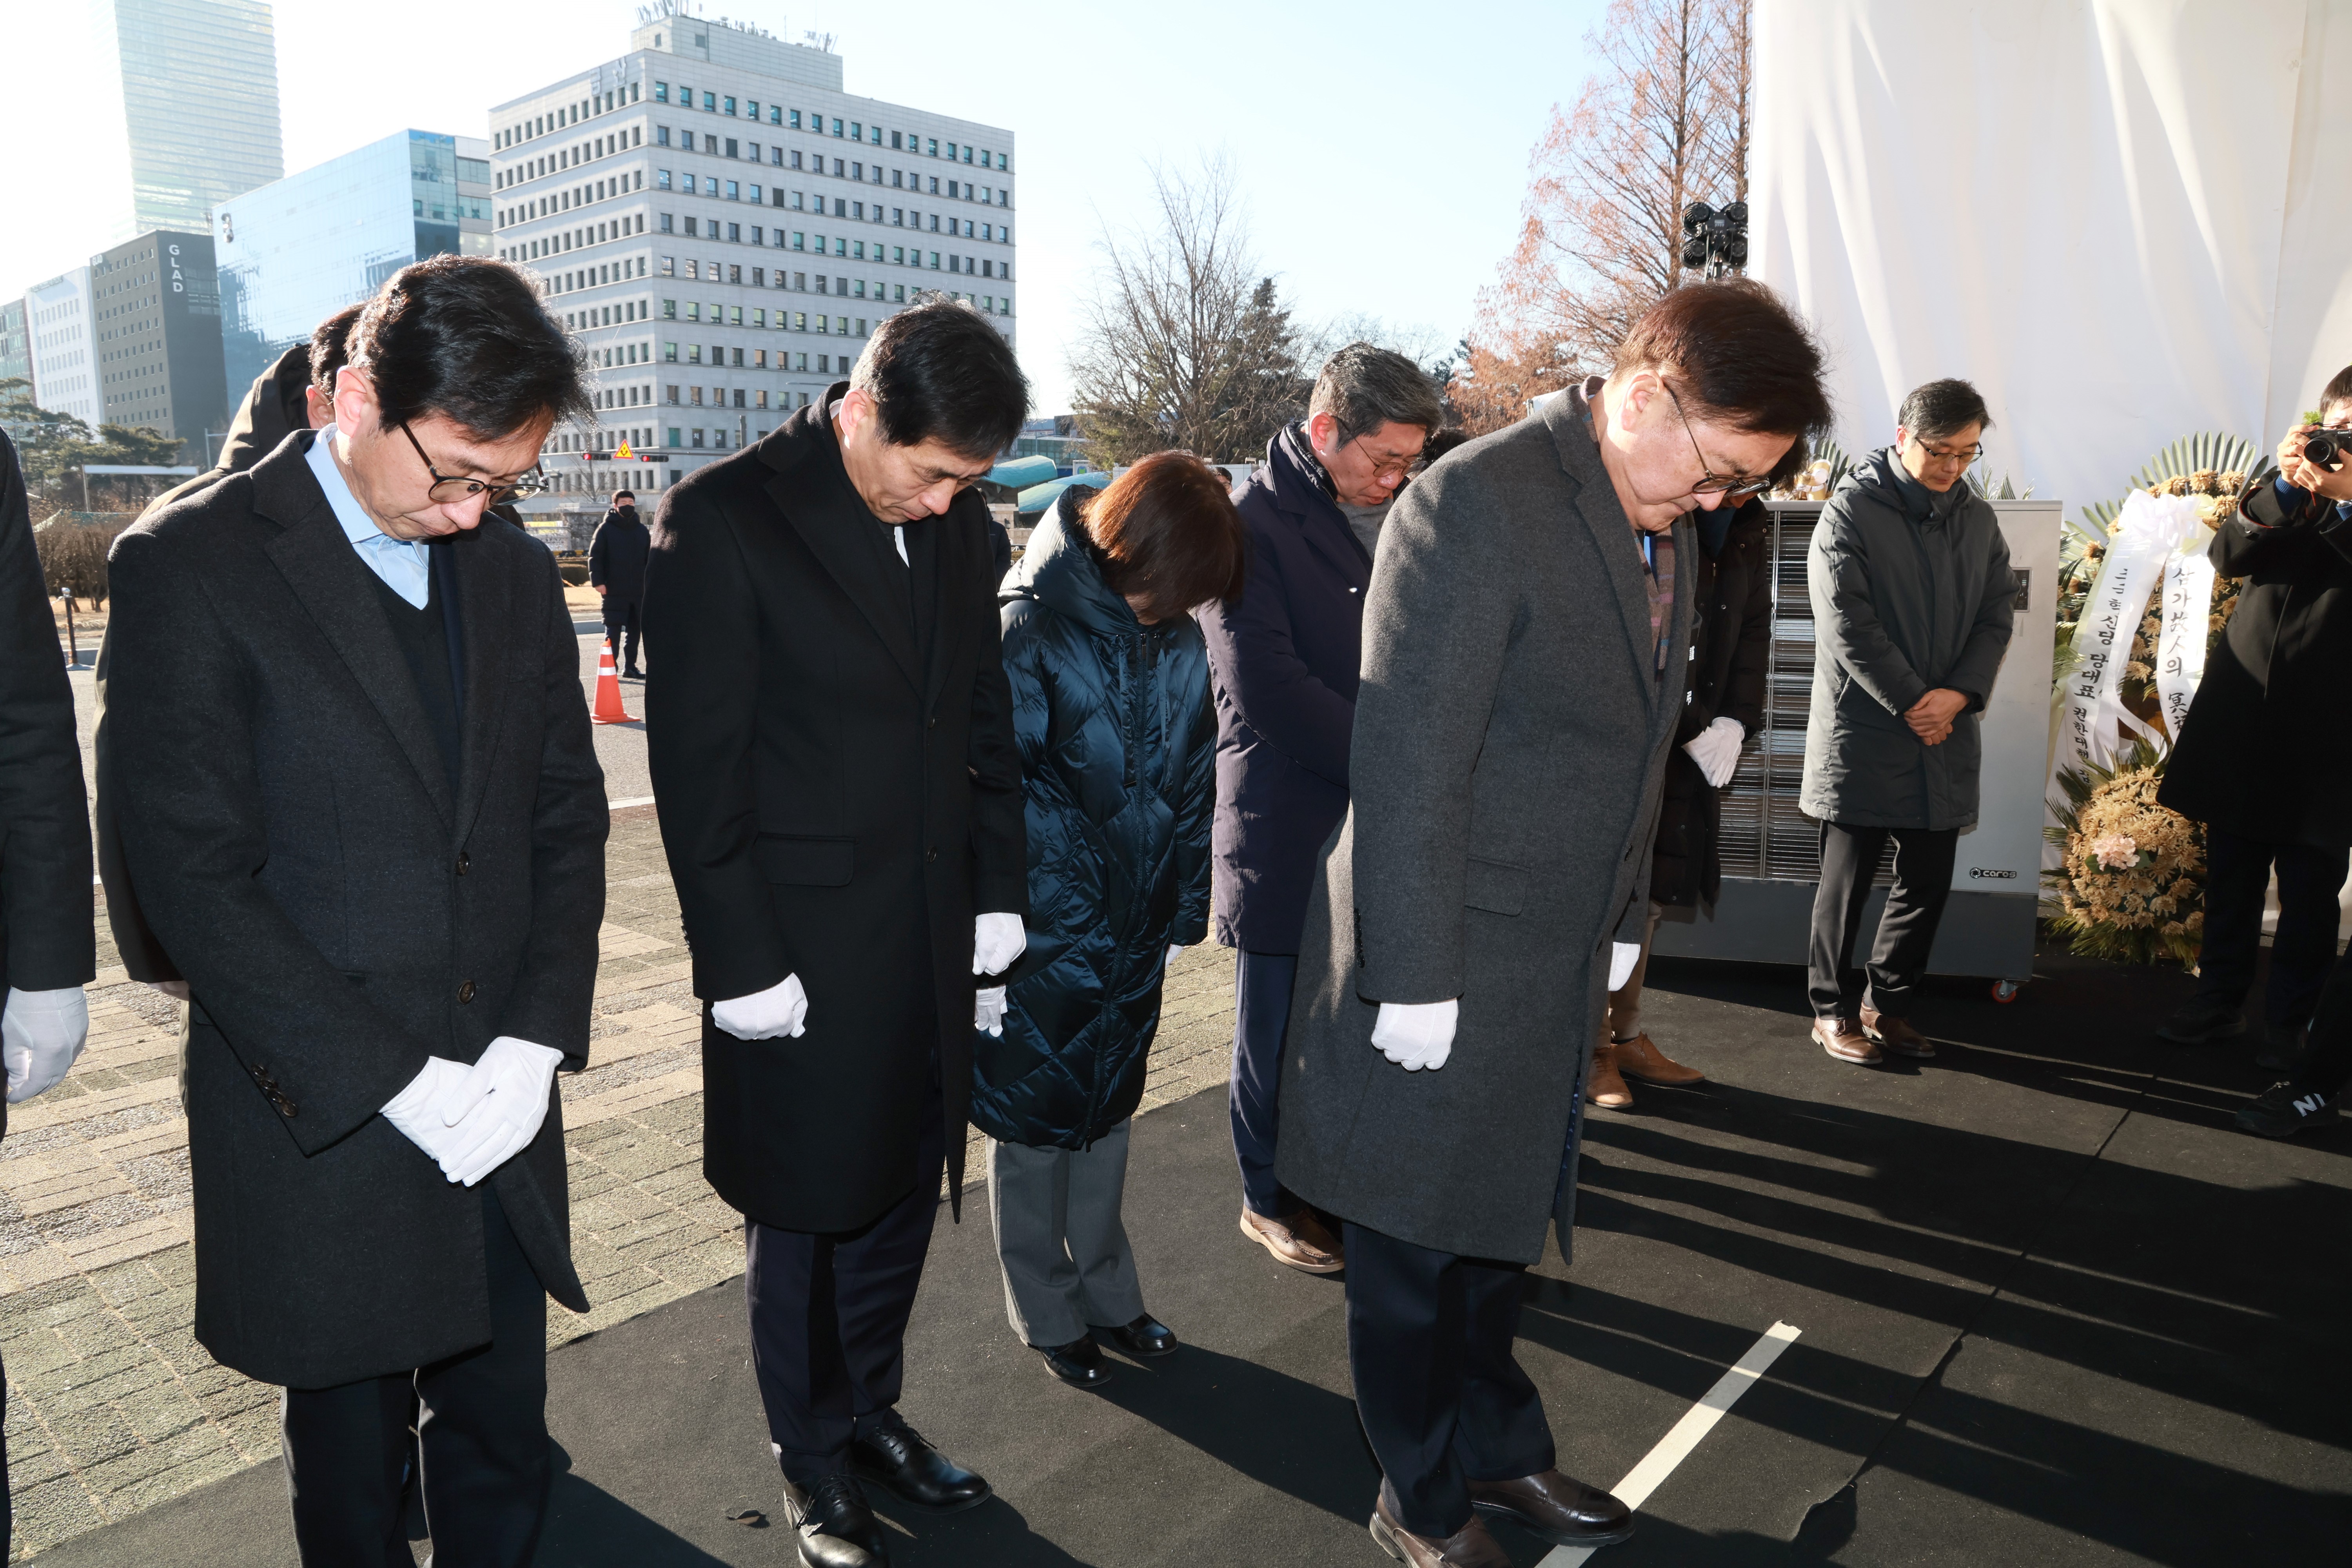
{"type": "Point", "coordinates": [608, 708]}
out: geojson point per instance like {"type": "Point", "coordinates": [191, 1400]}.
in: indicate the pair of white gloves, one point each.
{"type": "Point", "coordinates": [782, 1010]}
{"type": "Point", "coordinates": [1418, 1035]}
{"type": "Point", "coordinates": [472, 1120]}
{"type": "Point", "coordinates": [988, 1007]}
{"type": "Point", "coordinates": [41, 1037]}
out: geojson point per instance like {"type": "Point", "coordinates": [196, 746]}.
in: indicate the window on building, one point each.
{"type": "Point", "coordinates": [670, 356]}
{"type": "Point", "coordinates": [899, 293]}
{"type": "Point", "coordinates": [935, 152]}
{"type": "Point", "coordinates": [689, 228]}
{"type": "Point", "coordinates": [661, 179]}
{"type": "Point", "coordinates": [776, 114]}
{"type": "Point", "coordinates": [697, 435]}
{"type": "Point", "coordinates": [935, 191]}
{"type": "Point", "coordinates": [710, 103]}
{"type": "Point", "coordinates": [730, 106]}
{"type": "Point", "coordinates": [794, 121]}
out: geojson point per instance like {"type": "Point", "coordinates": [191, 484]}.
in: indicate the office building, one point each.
{"type": "Point", "coordinates": [186, 111]}
{"type": "Point", "coordinates": [56, 316]}
{"type": "Point", "coordinates": [295, 251]}
{"type": "Point", "coordinates": [16, 344]}
{"type": "Point", "coordinates": [725, 227]}
{"type": "Point", "coordinates": [155, 339]}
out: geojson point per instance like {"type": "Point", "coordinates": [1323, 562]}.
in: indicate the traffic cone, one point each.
{"type": "Point", "coordinates": [608, 690]}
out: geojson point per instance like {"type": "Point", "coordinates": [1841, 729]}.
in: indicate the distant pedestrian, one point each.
{"type": "Point", "coordinates": [1283, 654]}
{"type": "Point", "coordinates": [1912, 601]}
{"type": "Point", "coordinates": [1118, 738]}
{"type": "Point", "coordinates": [616, 567]}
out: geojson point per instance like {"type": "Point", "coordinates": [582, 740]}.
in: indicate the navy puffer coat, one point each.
{"type": "Point", "coordinates": [1118, 743]}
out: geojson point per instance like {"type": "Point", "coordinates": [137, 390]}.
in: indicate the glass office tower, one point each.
{"type": "Point", "coordinates": [297, 250]}
{"type": "Point", "coordinates": [198, 86]}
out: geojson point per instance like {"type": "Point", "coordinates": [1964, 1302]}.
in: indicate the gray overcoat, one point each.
{"type": "Point", "coordinates": [1510, 741]}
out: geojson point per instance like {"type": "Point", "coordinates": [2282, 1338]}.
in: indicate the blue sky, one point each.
{"type": "Point", "coordinates": [1381, 149]}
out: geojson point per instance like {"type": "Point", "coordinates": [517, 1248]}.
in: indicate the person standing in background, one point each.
{"type": "Point", "coordinates": [1282, 657]}
{"type": "Point", "coordinates": [1913, 597]}
{"type": "Point", "coordinates": [616, 566]}
{"type": "Point", "coordinates": [49, 942]}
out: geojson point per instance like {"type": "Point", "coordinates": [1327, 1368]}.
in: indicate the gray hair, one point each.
{"type": "Point", "coordinates": [1365, 387]}
{"type": "Point", "coordinates": [1941, 408]}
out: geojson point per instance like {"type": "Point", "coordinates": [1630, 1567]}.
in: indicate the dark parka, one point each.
{"type": "Point", "coordinates": [1911, 591]}
{"type": "Point", "coordinates": [2262, 754]}
{"type": "Point", "coordinates": [616, 556]}
{"type": "Point", "coordinates": [1284, 657]}
{"type": "Point", "coordinates": [1118, 743]}
{"type": "Point", "coordinates": [1731, 651]}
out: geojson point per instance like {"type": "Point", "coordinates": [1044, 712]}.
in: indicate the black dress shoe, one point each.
{"type": "Point", "coordinates": [1078, 1364]}
{"type": "Point", "coordinates": [2204, 1021]}
{"type": "Point", "coordinates": [1556, 1507]}
{"type": "Point", "coordinates": [632, 673]}
{"type": "Point", "coordinates": [901, 1458]}
{"type": "Point", "coordinates": [2282, 1049]}
{"type": "Point", "coordinates": [1147, 1336]}
{"type": "Point", "coordinates": [836, 1528]}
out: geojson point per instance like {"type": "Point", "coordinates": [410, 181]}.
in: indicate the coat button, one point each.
{"type": "Point", "coordinates": [465, 862]}
{"type": "Point", "coordinates": [930, 855]}
{"type": "Point", "coordinates": [933, 723]}
{"type": "Point", "coordinates": [465, 991]}
{"type": "Point", "coordinates": [287, 1108]}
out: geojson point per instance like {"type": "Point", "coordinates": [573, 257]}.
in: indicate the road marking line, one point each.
{"type": "Point", "coordinates": [625, 804]}
{"type": "Point", "coordinates": [1674, 1448]}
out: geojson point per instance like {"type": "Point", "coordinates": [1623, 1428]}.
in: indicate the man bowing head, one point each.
{"type": "Point", "coordinates": [357, 799]}
{"type": "Point", "coordinates": [831, 739]}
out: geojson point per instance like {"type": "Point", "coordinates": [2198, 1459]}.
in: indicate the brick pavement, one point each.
{"type": "Point", "coordinates": [113, 1406]}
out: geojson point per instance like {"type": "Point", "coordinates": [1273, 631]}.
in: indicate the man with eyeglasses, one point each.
{"type": "Point", "coordinates": [1912, 598]}
{"type": "Point", "coordinates": [1282, 664]}
{"type": "Point", "coordinates": [364, 817]}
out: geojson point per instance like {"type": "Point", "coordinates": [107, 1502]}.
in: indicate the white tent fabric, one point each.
{"type": "Point", "coordinates": [2124, 220]}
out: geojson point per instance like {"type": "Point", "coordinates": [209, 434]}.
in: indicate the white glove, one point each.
{"type": "Point", "coordinates": [1715, 750]}
{"type": "Point", "coordinates": [988, 1010]}
{"type": "Point", "coordinates": [1621, 956]}
{"type": "Point", "coordinates": [997, 942]}
{"type": "Point", "coordinates": [771, 1015]}
{"type": "Point", "coordinates": [1416, 1034]}
{"type": "Point", "coordinates": [41, 1036]}
{"type": "Point", "coordinates": [1173, 949]}
{"type": "Point", "coordinates": [494, 1112]}
{"type": "Point", "coordinates": [416, 1110]}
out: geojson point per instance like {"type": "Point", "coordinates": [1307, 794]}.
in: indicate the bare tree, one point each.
{"type": "Point", "coordinates": [1184, 343]}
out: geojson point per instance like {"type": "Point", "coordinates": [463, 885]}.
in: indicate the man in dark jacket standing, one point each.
{"type": "Point", "coordinates": [48, 947]}
{"type": "Point", "coordinates": [616, 566]}
{"type": "Point", "coordinates": [840, 796]}
{"type": "Point", "coordinates": [1912, 600]}
{"type": "Point", "coordinates": [1284, 658]}
{"type": "Point", "coordinates": [364, 817]}
{"type": "Point", "coordinates": [2262, 761]}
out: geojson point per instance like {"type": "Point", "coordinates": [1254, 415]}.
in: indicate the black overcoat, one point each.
{"type": "Point", "coordinates": [1284, 658]}
{"type": "Point", "coordinates": [46, 940]}
{"type": "Point", "coordinates": [2262, 753]}
{"type": "Point", "coordinates": [1731, 649]}
{"type": "Point", "coordinates": [616, 556]}
{"type": "Point", "coordinates": [340, 916]}
{"type": "Point", "coordinates": [835, 807]}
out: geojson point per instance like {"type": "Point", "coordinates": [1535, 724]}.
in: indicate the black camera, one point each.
{"type": "Point", "coordinates": [2327, 447]}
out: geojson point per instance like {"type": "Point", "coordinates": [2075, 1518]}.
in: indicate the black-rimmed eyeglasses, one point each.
{"type": "Point", "coordinates": [1709, 483]}
{"type": "Point", "coordinates": [448, 491]}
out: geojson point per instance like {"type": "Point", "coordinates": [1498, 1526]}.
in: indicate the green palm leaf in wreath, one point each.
{"type": "Point", "coordinates": [2206, 451]}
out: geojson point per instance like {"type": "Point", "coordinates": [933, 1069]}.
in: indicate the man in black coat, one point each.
{"type": "Point", "coordinates": [616, 566]}
{"type": "Point", "coordinates": [833, 763]}
{"type": "Point", "coordinates": [1283, 660]}
{"type": "Point", "coordinates": [2263, 758]}
{"type": "Point", "coordinates": [365, 818]}
{"type": "Point", "coordinates": [47, 946]}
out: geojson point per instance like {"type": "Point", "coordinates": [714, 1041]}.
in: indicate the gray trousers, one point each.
{"type": "Point", "coordinates": [1068, 1265]}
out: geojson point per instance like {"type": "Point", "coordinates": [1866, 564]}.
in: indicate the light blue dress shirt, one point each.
{"type": "Point", "coordinates": [403, 563]}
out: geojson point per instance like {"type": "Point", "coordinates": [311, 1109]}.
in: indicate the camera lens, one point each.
{"type": "Point", "coordinates": [2326, 447]}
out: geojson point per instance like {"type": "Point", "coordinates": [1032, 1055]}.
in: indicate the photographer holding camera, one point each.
{"type": "Point", "coordinates": [2264, 756]}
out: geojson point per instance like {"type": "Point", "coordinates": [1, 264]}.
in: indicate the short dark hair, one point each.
{"type": "Point", "coordinates": [1935, 409]}
{"type": "Point", "coordinates": [2337, 391]}
{"type": "Point", "coordinates": [1364, 387]}
{"type": "Point", "coordinates": [330, 347]}
{"type": "Point", "coordinates": [618, 494]}
{"type": "Point", "coordinates": [1736, 354]}
{"type": "Point", "coordinates": [941, 371]}
{"type": "Point", "coordinates": [467, 336]}
{"type": "Point", "coordinates": [1166, 531]}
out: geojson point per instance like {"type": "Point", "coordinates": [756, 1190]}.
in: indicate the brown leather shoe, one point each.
{"type": "Point", "coordinates": [1895, 1034]}
{"type": "Point", "coordinates": [1843, 1038]}
{"type": "Point", "coordinates": [1300, 1241]}
{"type": "Point", "coordinates": [1606, 1089]}
{"type": "Point", "coordinates": [1637, 1057]}
{"type": "Point", "coordinates": [1556, 1507]}
{"type": "Point", "coordinates": [1469, 1547]}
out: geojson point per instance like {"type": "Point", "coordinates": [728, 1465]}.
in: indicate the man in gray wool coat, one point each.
{"type": "Point", "coordinates": [1524, 640]}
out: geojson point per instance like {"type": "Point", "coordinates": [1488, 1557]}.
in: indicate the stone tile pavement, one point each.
{"type": "Point", "coordinates": [112, 1405]}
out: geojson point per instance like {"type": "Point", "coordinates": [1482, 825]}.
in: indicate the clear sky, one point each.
{"type": "Point", "coordinates": [1381, 148]}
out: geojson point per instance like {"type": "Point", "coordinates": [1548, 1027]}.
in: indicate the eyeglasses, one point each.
{"type": "Point", "coordinates": [1964, 455]}
{"type": "Point", "coordinates": [1710, 484]}
{"type": "Point", "coordinates": [1394, 468]}
{"type": "Point", "coordinates": [448, 491]}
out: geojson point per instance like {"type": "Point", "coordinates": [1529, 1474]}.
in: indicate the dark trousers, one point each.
{"type": "Point", "coordinates": [2237, 877]}
{"type": "Point", "coordinates": [1906, 927]}
{"type": "Point", "coordinates": [829, 1320]}
{"type": "Point", "coordinates": [1261, 1017]}
{"type": "Point", "coordinates": [2326, 1064]}
{"type": "Point", "coordinates": [1442, 1400]}
{"type": "Point", "coordinates": [623, 616]}
{"type": "Point", "coordinates": [481, 1428]}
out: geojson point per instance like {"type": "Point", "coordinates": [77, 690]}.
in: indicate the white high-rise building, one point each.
{"type": "Point", "coordinates": [65, 363]}
{"type": "Point", "coordinates": [725, 227]}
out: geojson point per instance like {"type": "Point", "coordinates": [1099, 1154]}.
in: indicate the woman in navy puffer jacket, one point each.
{"type": "Point", "coordinates": [1112, 713]}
